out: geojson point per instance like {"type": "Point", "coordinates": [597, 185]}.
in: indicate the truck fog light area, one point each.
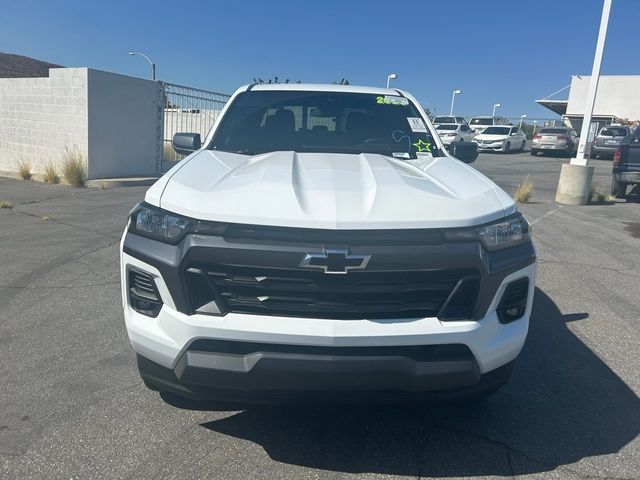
{"type": "Point", "coordinates": [143, 293]}
{"type": "Point", "coordinates": [513, 303]}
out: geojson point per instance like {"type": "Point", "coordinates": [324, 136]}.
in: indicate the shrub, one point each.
{"type": "Point", "coordinates": [525, 191]}
{"type": "Point", "coordinates": [600, 194]}
{"type": "Point", "coordinates": [24, 169]}
{"type": "Point", "coordinates": [51, 173]}
{"type": "Point", "coordinates": [6, 204]}
{"type": "Point", "coordinates": [73, 168]}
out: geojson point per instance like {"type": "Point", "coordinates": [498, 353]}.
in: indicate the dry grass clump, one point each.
{"type": "Point", "coordinates": [600, 194]}
{"type": "Point", "coordinates": [6, 204]}
{"type": "Point", "coordinates": [24, 169]}
{"type": "Point", "coordinates": [525, 191]}
{"type": "Point", "coordinates": [73, 167]}
{"type": "Point", "coordinates": [51, 173]}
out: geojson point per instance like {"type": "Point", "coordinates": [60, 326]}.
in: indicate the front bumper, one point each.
{"type": "Point", "coordinates": [491, 146]}
{"type": "Point", "coordinates": [311, 379]}
{"type": "Point", "coordinates": [329, 358]}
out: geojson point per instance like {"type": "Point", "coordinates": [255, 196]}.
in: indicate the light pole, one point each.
{"type": "Point", "coordinates": [153, 65]}
{"type": "Point", "coordinates": [581, 155]}
{"type": "Point", "coordinates": [453, 99]}
{"type": "Point", "coordinates": [574, 184]}
{"type": "Point", "coordinates": [391, 76]}
{"type": "Point", "coordinates": [496, 105]}
{"type": "Point", "coordinates": [522, 117]}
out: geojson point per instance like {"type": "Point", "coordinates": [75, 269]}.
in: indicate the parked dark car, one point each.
{"type": "Point", "coordinates": [626, 165]}
{"type": "Point", "coordinates": [608, 140]}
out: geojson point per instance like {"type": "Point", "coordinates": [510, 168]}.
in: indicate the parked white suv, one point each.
{"type": "Point", "coordinates": [322, 243]}
{"type": "Point", "coordinates": [479, 124]}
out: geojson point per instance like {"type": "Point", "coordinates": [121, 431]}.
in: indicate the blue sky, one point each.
{"type": "Point", "coordinates": [496, 51]}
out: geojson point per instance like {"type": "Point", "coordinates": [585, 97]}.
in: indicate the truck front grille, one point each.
{"type": "Point", "coordinates": [314, 294]}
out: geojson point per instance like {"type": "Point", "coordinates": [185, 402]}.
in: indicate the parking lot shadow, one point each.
{"type": "Point", "coordinates": [562, 405]}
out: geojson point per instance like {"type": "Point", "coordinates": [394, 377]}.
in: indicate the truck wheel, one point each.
{"type": "Point", "coordinates": [618, 189]}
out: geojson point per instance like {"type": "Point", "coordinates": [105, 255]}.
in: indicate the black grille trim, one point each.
{"type": "Point", "coordinates": [314, 294]}
{"type": "Point", "coordinates": [305, 236]}
{"type": "Point", "coordinates": [414, 352]}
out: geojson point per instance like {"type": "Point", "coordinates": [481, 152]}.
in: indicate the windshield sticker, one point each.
{"type": "Point", "coordinates": [422, 146]}
{"type": "Point", "coordinates": [392, 100]}
{"type": "Point", "coordinates": [424, 155]}
{"type": "Point", "coordinates": [417, 124]}
{"type": "Point", "coordinates": [400, 155]}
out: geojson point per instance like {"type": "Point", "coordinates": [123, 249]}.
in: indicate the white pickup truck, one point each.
{"type": "Point", "coordinates": [322, 244]}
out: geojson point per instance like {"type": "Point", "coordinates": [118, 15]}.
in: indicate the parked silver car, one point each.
{"type": "Point", "coordinates": [555, 140]}
{"type": "Point", "coordinates": [608, 140]}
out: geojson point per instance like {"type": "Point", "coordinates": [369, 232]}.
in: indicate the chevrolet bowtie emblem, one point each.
{"type": "Point", "coordinates": [335, 261]}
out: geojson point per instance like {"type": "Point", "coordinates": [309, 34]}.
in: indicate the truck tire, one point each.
{"type": "Point", "coordinates": [618, 189]}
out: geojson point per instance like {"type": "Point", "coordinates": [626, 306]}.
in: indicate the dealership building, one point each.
{"type": "Point", "coordinates": [617, 100]}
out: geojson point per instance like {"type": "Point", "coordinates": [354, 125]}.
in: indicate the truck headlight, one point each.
{"type": "Point", "coordinates": [505, 233]}
{"type": "Point", "coordinates": [168, 227]}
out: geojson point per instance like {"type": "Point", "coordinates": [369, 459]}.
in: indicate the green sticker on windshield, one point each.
{"type": "Point", "coordinates": [392, 100]}
{"type": "Point", "coordinates": [422, 146]}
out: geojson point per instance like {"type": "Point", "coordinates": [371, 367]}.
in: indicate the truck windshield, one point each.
{"type": "Point", "coordinates": [261, 121]}
{"type": "Point", "coordinates": [444, 120]}
{"type": "Point", "coordinates": [481, 121]}
{"type": "Point", "coordinates": [497, 131]}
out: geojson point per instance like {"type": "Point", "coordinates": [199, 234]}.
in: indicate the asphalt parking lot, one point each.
{"type": "Point", "coordinates": [72, 405]}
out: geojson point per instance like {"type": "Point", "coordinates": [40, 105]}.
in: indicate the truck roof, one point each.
{"type": "Point", "coordinates": [322, 87]}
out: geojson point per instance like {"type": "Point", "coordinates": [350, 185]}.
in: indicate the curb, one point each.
{"type": "Point", "coordinates": [121, 182]}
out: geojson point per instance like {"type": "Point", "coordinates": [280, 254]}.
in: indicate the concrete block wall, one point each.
{"type": "Point", "coordinates": [115, 122]}
{"type": "Point", "coordinates": [40, 117]}
{"type": "Point", "coordinates": [125, 132]}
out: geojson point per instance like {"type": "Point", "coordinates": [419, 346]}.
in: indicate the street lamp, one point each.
{"type": "Point", "coordinates": [390, 77]}
{"type": "Point", "coordinates": [522, 117]}
{"type": "Point", "coordinates": [582, 153]}
{"type": "Point", "coordinates": [153, 65]}
{"type": "Point", "coordinates": [574, 185]}
{"type": "Point", "coordinates": [496, 105]}
{"type": "Point", "coordinates": [453, 99]}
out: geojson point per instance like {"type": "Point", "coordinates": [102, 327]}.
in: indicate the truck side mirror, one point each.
{"type": "Point", "coordinates": [186, 143]}
{"type": "Point", "coordinates": [466, 152]}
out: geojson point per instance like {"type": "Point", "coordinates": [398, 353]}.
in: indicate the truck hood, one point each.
{"type": "Point", "coordinates": [333, 191]}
